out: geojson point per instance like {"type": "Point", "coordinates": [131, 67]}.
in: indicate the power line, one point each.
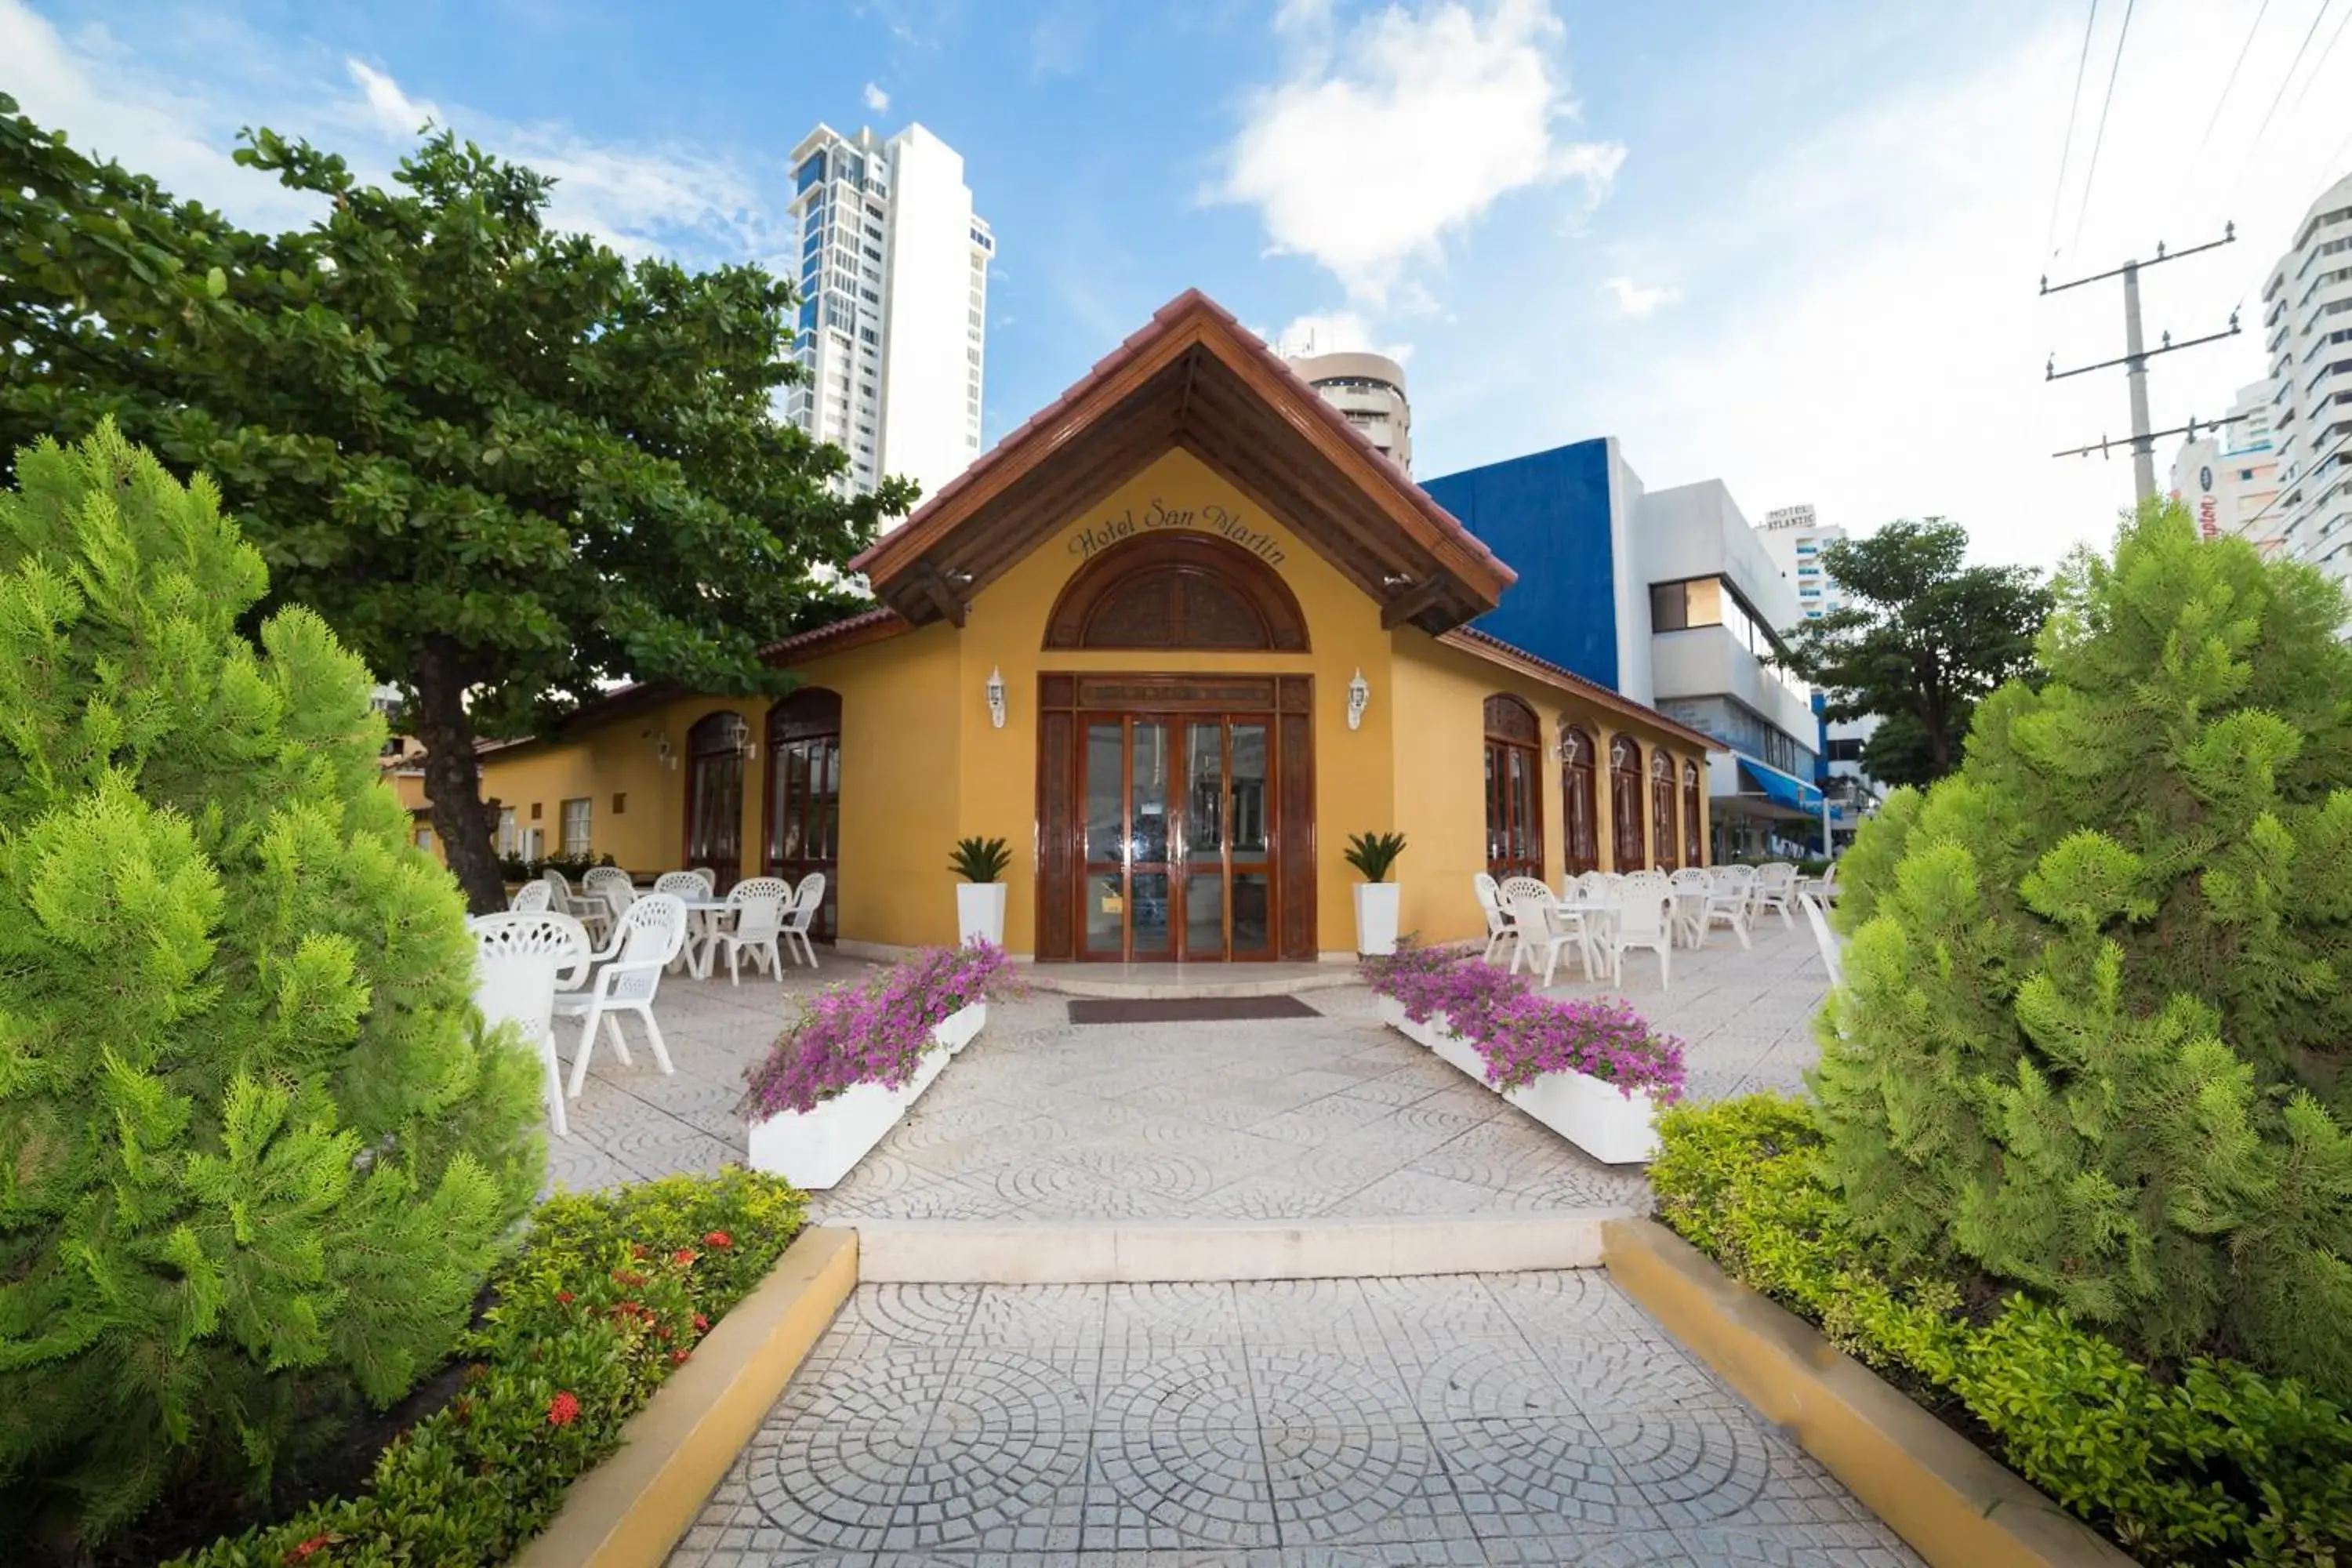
{"type": "Point", "coordinates": [2316, 17]}
{"type": "Point", "coordinates": [2091, 172]}
{"type": "Point", "coordinates": [2320, 64]}
{"type": "Point", "coordinates": [2232, 79]}
{"type": "Point", "coordinates": [2073, 108]}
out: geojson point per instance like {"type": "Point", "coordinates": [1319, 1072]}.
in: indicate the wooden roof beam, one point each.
{"type": "Point", "coordinates": [1415, 601]}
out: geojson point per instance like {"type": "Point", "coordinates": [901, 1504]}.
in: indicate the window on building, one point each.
{"type": "Point", "coordinates": [1626, 804]}
{"type": "Point", "coordinates": [1661, 807]}
{"type": "Point", "coordinates": [574, 826]}
{"type": "Point", "coordinates": [508, 831]}
{"type": "Point", "coordinates": [1514, 789]}
{"type": "Point", "coordinates": [620, 802]}
{"type": "Point", "coordinates": [424, 839]}
{"type": "Point", "coordinates": [1693, 851]}
{"type": "Point", "coordinates": [1578, 805]}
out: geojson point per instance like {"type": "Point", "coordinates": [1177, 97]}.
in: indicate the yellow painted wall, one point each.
{"type": "Point", "coordinates": [1006, 627]}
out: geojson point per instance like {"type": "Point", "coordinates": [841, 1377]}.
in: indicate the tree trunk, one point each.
{"type": "Point", "coordinates": [453, 783]}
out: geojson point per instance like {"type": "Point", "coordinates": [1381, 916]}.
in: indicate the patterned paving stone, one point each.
{"type": "Point", "coordinates": [1332, 1423]}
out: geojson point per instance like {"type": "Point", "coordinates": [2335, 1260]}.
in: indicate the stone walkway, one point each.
{"type": "Point", "coordinates": [1521, 1419]}
{"type": "Point", "coordinates": [1332, 1115]}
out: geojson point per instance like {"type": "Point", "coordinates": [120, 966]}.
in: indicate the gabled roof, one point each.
{"type": "Point", "coordinates": [1196, 378]}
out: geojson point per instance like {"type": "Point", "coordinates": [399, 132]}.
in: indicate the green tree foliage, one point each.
{"type": "Point", "coordinates": [505, 465]}
{"type": "Point", "coordinates": [254, 1153]}
{"type": "Point", "coordinates": [1920, 639]}
{"type": "Point", "coordinates": [2098, 1008]}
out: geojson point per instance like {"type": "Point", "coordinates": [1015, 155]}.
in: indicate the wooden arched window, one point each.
{"type": "Point", "coordinates": [1693, 850]}
{"type": "Point", "coordinates": [1514, 789]}
{"type": "Point", "coordinates": [802, 831]}
{"type": "Point", "coordinates": [714, 794]}
{"type": "Point", "coordinates": [1176, 591]}
{"type": "Point", "coordinates": [1626, 804]}
{"type": "Point", "coordinates": [1661, 807]}
{"type": "Point", "coordinates": [1579, 803]}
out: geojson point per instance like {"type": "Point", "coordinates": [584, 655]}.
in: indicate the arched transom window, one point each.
{"type": "Point", "coordinates": [1177, 591]}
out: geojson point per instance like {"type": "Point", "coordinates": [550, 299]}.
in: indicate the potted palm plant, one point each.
{"type": "Point", "coordinates": [980, 902]}
{"type": "Point", "coordinates": [1376, 897]}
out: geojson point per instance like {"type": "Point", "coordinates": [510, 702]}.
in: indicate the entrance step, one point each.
{"type": "Point", "coordinates": [1096, 1252]}
{"type": "Point", "coordinates": [1165, 982]}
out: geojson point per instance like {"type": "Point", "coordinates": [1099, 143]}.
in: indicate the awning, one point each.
{"type": "Point", "coordinates": [1779, 788]}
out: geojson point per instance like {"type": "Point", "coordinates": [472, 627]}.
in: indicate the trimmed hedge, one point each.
{"type": "Point", "coordinates": [2213, 1463]}
{"type": "Point", "coordinates": [611, 1292]}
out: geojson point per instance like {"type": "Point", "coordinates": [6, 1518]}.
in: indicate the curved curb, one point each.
{"type": "Point", "coordinates": [1956, 1506]}
{"type": "Point", "coordinates": [1106, 1252]}
{"type": "Point", "coordinates": [630, 1510]}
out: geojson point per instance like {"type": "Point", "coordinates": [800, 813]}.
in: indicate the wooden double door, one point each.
{"type": "Point", "coordinates": [1176, 819]}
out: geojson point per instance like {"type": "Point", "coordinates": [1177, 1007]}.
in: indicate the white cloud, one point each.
{"type": "Point", "coordinates": [396, 114]}
{"type": "Point", "coordinates": [182, 131]}
{"type": "Point", "coordinates": [1630, 298]}
{"type": "Point", "coordinates": [1379, 145]}
{"type": "Point", "coordinates": [877, 100]}
{"type": "Point", "coordinates": [1334, 332]}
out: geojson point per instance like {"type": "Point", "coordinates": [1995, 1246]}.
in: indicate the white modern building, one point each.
{"type": "Point", "coordinates": [2227, 477]}
{"type": "Point", "coordinates": [1369, 389]}
{"type": "Point", "coordinates": [894, 304]}
{"type": "Point", "coordinates": [2307, 333]}
{"type": "Point", "coordinates": [1665, 595]}
{"type": "Point", "coordinates": [1794, 537]}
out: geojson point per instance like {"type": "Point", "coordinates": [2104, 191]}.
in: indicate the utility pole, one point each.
{"type": "Point", "coordinates": [2137, 353]}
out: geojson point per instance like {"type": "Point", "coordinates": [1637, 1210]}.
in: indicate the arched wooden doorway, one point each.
{"type": "Point", "coordinates": [714, 794]}
{"type": "Point", "coordinates": [1662, 806]}
{"type": "Point", "coordinates": [1626, 803]}
{"type": "Point", "coordinates": [1694, 848]}
{"type": "Point", "coordinates": [1578, 803]}
{"type": "Point", "coordinates": [801, 832]}
{"type": "Point", "coordinates": [1176, 811]}
{"type": "Point", "coordinates": [1514, 789]}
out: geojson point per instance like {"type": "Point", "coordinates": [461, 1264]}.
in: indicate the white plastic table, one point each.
{"type": "Point", "coordinates": [704, 917]}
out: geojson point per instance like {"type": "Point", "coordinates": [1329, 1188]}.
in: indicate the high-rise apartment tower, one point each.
{"type": "Point", "coordinates": [894, 304]}
{"type": "Point", "coordinates": [2307, 332]}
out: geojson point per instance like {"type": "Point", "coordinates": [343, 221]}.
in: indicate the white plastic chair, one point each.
{"type": "Point", "coordinates": [757, 906]}
{"type": "Point", "coordinates": [650, 935]}
{"type": "Point", "coordinates": [1538, 921]}
{"type": "Point", "coordinates": [530, 899]}
{"type": "Point", "coordinates": [1832, 949]}
{"type": "Point", "coordinates": [1776, 888]}
{"type": "Point", "coordinates": [1644, 919]}
{"type": "Point", "coordinates": [520, 957]}
{"type": "Point", "coordinates": [689, 885]}
{"type": "Point", "coordinates": [800, 913]}
{"type": "Point", "coordinates": [684, 884]}
{"type": "Point", "coordinates": [605, 894]}
{"type": "Point", "coordinates": [710, 880]}
{"type": "Point", "coordinates": [1498, 921]}
{"type": "Point", "coordinates": [1692, 887]}
{"type": "Point", "coordinates": [1733, 886]}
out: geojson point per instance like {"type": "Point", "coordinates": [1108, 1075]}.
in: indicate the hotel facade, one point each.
{"type": "Point", "coordinates": [1174, 640]}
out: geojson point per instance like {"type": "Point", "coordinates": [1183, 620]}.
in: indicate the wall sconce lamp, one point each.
{"type": "Point", "coordinates": [996, 696]}
{"type": "Point", "coordinates": [663, 753]}
{"type": "Point", "coordinates": [1360, 697]}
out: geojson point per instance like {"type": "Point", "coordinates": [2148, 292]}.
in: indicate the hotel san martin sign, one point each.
{"type": "Point", "coordinates": [1154, 517]}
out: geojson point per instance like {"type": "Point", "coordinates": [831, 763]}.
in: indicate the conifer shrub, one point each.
{"type": "Point", "coordinates": [2098, 1002]}
{"type": "Point", "coordinates": [256, 1155]}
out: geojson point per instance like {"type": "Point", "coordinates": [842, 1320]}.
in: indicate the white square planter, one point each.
{"type": "Point", "coordinates": [1376, 917]}
{"type": "Point", "coordinates": [815, 1150]}
{"type": "Point", "coordinates": [980, 914]}
{"type": "Point", "coordinates": [1613, 1127]}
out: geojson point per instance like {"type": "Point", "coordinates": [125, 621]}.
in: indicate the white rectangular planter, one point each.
{"type": "Point", "coordinates": [1613, 1128]}
{"type": "Point", "coordinates": [815, 1150]}
{"type": "Point", "coordinates": [980, 914]}
{"type": "Point", "coordinates": [1377, 904]}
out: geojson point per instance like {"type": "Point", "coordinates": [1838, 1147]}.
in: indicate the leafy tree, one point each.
{"type": "Point", "coordinates": [1920, 639]}
{"type": "Point", "coordinates": [508, 467]}
{"type": "Point", "coordinates": [255, 1152]}
{"type": "Point", "coordinates": [2098, 1011]}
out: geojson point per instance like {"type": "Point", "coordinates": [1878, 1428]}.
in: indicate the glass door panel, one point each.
{"type": "Point", "coordinates": [1204, 840]}
{"type": "Point", "coordinates": [1151, 839]}
{"type": "Point", "coordinates": [1104, 885]}
{"type": "Point", "coordinates": [1249, 837]}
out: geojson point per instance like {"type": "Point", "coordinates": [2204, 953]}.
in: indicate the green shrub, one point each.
{"type": "Point", "coordinates": [2218, 1464]}
{"type": "Point", "coordinates": [609, 1297]}
{"type": "Point", "coordinates": [515, 868]}
{"type": "Point", "coordinates": [2098, 1002]}
{"type": "Point", "coordinates": [255, 1155]}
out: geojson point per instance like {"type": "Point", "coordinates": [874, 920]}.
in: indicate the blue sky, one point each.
{"type": "Point", "coordinates": [1791, 244]}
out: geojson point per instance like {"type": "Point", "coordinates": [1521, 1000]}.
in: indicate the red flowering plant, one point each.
{"type": "Point", "coordinates": [875, 1032]}
{"type": "Point", "coordinates": [609, 1296]}
{"type": "Point", "coordinates": [1521, 1034]}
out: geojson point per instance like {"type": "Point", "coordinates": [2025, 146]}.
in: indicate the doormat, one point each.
{"type": "Point", "coordinates": [1185, 1009]}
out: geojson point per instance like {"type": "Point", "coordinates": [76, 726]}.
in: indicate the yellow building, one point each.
{"type": "Point", "coordinates": [1174, 640]}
